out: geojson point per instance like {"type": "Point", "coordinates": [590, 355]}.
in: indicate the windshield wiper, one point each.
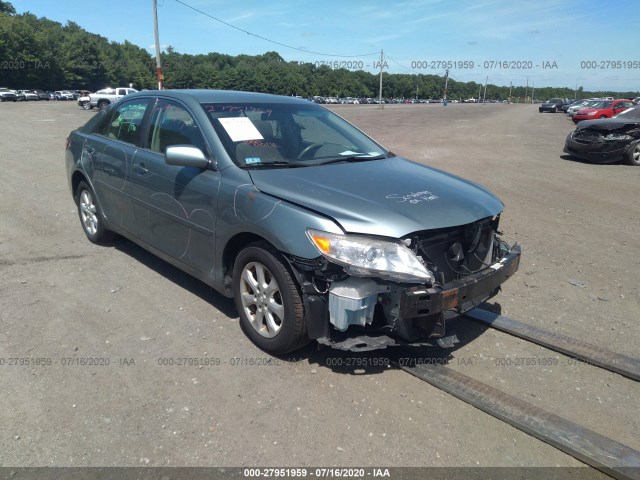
{"type": "Point", "coordinates": [357, 158]}
{"type": "Point", "coordinates": [273, 164]}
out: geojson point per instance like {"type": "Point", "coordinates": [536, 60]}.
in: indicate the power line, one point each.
{"type": "Point", "coordinates": [268, 39]}
{"type": "Point", "coordinates": [402, 66]}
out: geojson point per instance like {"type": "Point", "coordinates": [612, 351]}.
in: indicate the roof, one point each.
{"type": "Point", "coordinates": [225, 96]}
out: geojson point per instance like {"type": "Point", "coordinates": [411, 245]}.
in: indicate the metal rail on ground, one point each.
{"type": "Point", "coordinates": [602, 357]}
{"type": "Point", "coordinates": [598, 451]}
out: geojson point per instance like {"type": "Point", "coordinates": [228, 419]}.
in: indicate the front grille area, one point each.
{"type": "Point", "coordinates": [453, 253]}
{"type": "Point", "coordinates": [588, 136]}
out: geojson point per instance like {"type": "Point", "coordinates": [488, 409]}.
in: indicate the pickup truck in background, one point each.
{"type": "Point", "coordinates": [103, 98]}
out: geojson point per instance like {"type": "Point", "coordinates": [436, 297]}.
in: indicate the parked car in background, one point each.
{"type": "Point", "coordinates": [552, 105]}
{"type": "Point", "coordinates": [605, 109]}
{"type": "Point", "coordinates": [607, 140]}
{"type": "Point", "coordinates": [7, 95]}
{"type": "Point", "coordinates": [573, 103]}
{"type": "Point", "coordinates": [63, 95]}
{"type": "Point", "coordinates": [42, 95]}
{"type": "Point", "coordinates": [586, 104]}
{"type": "Point", "coordinates": [254, 194]}
{"type": "Point", "coordinates": [27, 95]}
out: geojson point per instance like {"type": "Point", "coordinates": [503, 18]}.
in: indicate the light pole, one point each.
{"type": "Point", "coordinates": [155, 30]}
{"type": "Point", "coordinates": [446, 85]}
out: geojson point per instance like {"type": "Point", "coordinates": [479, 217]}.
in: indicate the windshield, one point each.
{"type": "Point", "coordinates": [630, 113]}
{"type": "Point", "coordinates": [603, 105]}
{"type": "Point", "coordinates": [285, 134]}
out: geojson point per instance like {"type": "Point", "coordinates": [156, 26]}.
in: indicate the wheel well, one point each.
{"type": "Point", "coordinates": [76, 178]}
{"type": "Point", "coordinates": [234, 246]}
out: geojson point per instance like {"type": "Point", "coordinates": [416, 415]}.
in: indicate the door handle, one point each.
{"type": "Point", "coordinates": [140, 169]}
{"type": "Point", "coordinates": [89, 150]}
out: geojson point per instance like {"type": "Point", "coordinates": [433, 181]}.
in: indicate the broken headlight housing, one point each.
{"type": "Point", "coordinates": [369, 257]}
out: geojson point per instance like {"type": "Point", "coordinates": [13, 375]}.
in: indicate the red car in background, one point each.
{"type": "Point", "coordinates": [605, 109]}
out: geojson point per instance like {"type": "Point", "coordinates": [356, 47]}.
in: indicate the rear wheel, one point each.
{"type": "Point", "coordinates": [268, 301]}
{"type": "Point", "coordinates": [102, 104]}
{"type": "Point", "coordinates": [632, 157]}
{"type": "Point", "coordinates": [90, 215]}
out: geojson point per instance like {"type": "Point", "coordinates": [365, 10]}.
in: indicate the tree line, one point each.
{"type": "Point", "coordinates": [40, 53]}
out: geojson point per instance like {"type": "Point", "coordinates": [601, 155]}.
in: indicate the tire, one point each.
{"type": "Point", "coordinates": [555, 110]}
{"type": "Point", "coordinates": [90, 214]}
{"type": "Point", "coordinates": [632, 156]}
{"type": "Point", "coordinates": [268, 301]}
{"type": "Point", "coordinates": [86, 105]}
{"type": "Point", "coordinates": [102, 104]}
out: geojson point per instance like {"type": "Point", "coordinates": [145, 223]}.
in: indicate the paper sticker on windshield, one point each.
{"type": "Point", "coordinates": [360, 154]}
{"type": "Point", "coordinates": [240, 129]}
{"type": "Point", "coordinates": [252, 160]}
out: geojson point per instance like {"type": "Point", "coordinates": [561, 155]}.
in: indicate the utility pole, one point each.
{"type": "Point", "coordinates": [380, 92]}
{"type": "Point", "coordinates": [526, 90]}
{"type": "Point", "coordinates": [533, 92]}
{"type": "Point", "coordinates": [484, 96]}
{"type": "Point", "coordinates": [446, 85]}
{"type": "Point", "coordinates": [510, 85]}
{"type": "Point", "coordinates": [155, 30]}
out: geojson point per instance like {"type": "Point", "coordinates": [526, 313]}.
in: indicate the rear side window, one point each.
{"type": "Point", "coordinates": [123, 123]}
{"type": "Point", "coordinates": [172, 124]}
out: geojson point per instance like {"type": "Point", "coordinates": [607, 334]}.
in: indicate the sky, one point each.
{"type": "Point", "coordinates": [559, 43]}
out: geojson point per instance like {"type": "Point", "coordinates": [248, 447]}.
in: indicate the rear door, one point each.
{"type": "Point", "coordinates": [175, 206]}
{"type": "Point", "coordinates": [111, 150]}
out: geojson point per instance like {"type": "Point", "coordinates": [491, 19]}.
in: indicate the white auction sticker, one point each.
{"type": "Point", "coordinates": [240, 129]}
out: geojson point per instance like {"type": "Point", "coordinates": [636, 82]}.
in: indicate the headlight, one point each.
{"type": "Point", "coordinates": [591, 114]}
{"type": "Point", "coordinates": [614, 137]}
{"type": "Point", "coordinates": [366, 257]}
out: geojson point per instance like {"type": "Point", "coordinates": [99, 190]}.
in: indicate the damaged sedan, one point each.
{"type": "Point", "coordinates": [316, 230]}
{"type": "Point", "coordinates": [608, 140]}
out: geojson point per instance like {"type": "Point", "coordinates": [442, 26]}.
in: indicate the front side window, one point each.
{"type": "Point", "coordinates": [256, 135]}
{"type": "Point", "coordinates": [172, 124]}
{"type": "Point", "coordinates": [123, 123]}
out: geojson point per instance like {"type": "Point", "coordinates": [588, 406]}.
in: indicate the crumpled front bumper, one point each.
{"type": "Point", "coordinates": [460, 295]}
{"type": "Point", "coordinates": [604, 152]}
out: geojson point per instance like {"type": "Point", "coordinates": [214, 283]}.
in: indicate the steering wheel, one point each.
{"type": "Point", "coordinates": [307, 149]}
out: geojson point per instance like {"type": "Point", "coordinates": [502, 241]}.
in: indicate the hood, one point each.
{"type": "Point", "coordinates": [391, 197]}
{"type": "Point", "coordinates": [607, 123]}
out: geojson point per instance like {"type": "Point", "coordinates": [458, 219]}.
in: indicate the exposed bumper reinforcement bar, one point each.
{"type": "Point", "coordinates": [462, 294]}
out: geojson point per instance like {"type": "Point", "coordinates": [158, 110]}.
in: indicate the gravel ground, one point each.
{"type": "Point", "coordinates": [64, 299]}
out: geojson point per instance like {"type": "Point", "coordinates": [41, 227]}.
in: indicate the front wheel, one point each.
{"type": "Point", "coordinates": [267, 300]}
{"type": "Point", "coordinates": [90, 215]}
{"type": "Point", "coordinates": [86, 105]}
{"type": "Point", "coordinates": [632, 157]}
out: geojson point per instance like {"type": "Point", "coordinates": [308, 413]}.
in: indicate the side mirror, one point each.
{"type": "Point", "coordinates": [185, 156]}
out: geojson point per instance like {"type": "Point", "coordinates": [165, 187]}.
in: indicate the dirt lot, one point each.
{"type": "Point", "coordinates": [64, 299]}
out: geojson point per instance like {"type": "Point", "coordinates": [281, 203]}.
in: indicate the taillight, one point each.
{"type": "Point", "coordinates": [68, 143]}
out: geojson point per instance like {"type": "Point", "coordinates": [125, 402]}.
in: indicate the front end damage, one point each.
{"type": "Point", "coordinates": [602, 141]}
{"type": "Point", "coordinates": [351, 309]}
